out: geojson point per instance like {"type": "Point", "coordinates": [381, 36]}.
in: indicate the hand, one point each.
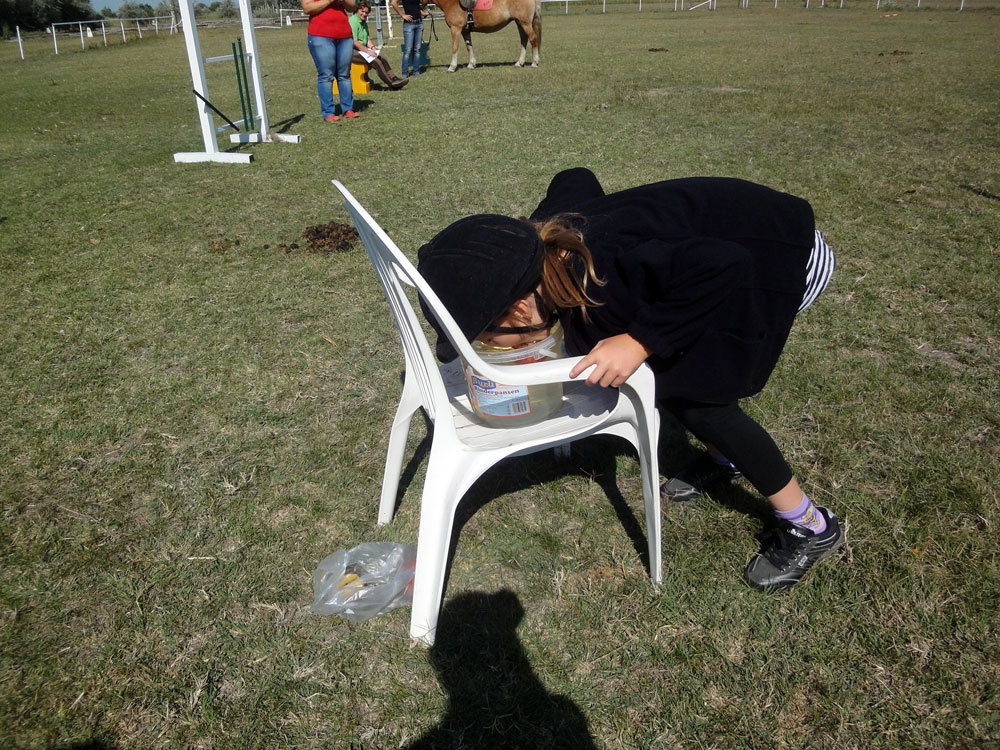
{"type": "Point", "coordinates": [613, 359]}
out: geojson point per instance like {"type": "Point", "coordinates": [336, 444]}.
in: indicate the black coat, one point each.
{"type": "Point", "coordinates": [706, 272]}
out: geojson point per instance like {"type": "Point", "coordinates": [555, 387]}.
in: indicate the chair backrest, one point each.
{"type": "Point", "coordinates": [394, 271]}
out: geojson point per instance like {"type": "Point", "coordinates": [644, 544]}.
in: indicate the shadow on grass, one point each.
{"type": "Point", "coordinates": [94, 744]}
{"type": "Point", "coordinates": [594, 457]}
{"type": "Point", "coordinates": [285, 125]}
{"type": "Point", "coordinates": [676, 451]}
{"type": "Point", "coordinates": [463, 64]}
{"type": "Point", "coordinates": [495, 700]}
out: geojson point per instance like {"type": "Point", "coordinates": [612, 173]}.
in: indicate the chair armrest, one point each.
{"type": "Point", "coordinates": [535, 373]}
{"type": "Point", "coordinates": [556, 371]}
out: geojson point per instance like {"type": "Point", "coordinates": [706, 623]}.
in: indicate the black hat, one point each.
{"type": "Point", "coordinates": [479, 266]}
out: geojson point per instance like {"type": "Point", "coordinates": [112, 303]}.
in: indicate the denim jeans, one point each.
{"type": "Point", "coordinates": [333, 60]}
{"type": "Point", "coordinates": [413, 34]}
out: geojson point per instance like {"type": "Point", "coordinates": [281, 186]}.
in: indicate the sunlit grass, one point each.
{"type": "Point", "coordinates": [194, 412]}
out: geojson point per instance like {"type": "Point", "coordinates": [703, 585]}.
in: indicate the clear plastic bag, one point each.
{"type": "Point", "coordinates": [357, 584]}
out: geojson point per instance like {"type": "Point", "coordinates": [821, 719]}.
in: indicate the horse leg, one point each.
{"type": "Point", "coordinates": [524, 45]}
{"type": "Point", "coordinates": [536, 43]}
{"type": "Point", "coordinates": [467, 35]}
{"type": "Point", "coordinates": [530, 34]}
{"type": "Point", "coordinates": [455, 33]}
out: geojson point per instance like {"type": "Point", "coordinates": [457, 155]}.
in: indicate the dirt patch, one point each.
{"type": "Point", "coordinates": [330, 238]}
{"type": "Point", "coordinates": [947, 358]}
{"type": "Point", "coordinates": [323, 238]}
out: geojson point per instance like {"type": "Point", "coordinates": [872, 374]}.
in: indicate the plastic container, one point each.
{"type": "Point", "coordinates": [515, 405]}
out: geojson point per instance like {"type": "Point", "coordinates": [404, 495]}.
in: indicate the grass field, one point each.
{"type": "Point", "coordinates": [194, 407]}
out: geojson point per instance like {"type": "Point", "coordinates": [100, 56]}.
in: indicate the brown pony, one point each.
{"type": "Point", "coordinates": [527, 14]}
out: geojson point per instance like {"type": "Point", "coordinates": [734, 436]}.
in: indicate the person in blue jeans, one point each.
{"type": "Point", "coordinates": [331, 44]}
{"type": "Point", "coordinates": [412, 13]}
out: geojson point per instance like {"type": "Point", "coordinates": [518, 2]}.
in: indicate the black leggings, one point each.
{"type": "Point", "coordinates": [740, 439]}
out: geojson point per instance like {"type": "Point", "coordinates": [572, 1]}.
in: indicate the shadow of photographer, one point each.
{"type": "Point", "coordinates": [495, 700]}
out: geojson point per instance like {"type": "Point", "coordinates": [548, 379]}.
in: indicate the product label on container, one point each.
{"type": "Point", "coordinates": [496, 400]}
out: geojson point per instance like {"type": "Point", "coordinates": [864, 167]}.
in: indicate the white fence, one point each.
{"type": "Point", "coordinates": [86, 29]}
{"type": "Point", "coordinates": [107, 29]}
{"type": "Point", "coordinates": [107, 32]}
{"type": "Point", "coordinates": [287, 16]}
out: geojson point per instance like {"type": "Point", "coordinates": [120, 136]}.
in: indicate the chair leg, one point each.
{"type": "Point", "coordinates": [393, 468]}
{"type": "Point", "coordinates": [653, 529]}
{"type": "Point", "coordinates": [448, 477]}
{"type": "Point", "coordinates": [437, 519]}
{"type": "Point", "coordinates": [650, 470]}
{"type": "Point", "coordinates": [409, 402]}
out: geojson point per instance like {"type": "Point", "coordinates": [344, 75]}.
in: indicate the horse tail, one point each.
{"type": "Point", "coordinates": [536, 21]}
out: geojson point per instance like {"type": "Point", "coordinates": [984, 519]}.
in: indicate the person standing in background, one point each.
{"type": "Point", "coordinates": [331, 44]}
{"type": "Point", "coordinates": [412, 13]}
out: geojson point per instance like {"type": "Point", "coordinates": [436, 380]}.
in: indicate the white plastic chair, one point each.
{"type": "Point", "coordinates": [462, 447]}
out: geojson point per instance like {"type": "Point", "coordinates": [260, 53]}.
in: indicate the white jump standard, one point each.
{"type": "Point", "coordinates": [258, 131]}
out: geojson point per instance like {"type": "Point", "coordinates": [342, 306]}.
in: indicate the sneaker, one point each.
{"type": "Point", "coordinates": [350, 114]}
{"type": "Point", "coordinates": [790, 551]}
{"type": "Point", "coordinates": [332, 118]}
{"type": "Point", "coordinates": [693, 479]}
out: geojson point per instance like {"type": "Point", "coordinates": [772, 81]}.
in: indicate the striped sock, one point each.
{"type": "Point", "coordinates": [819, 269]}
{"type": "Point", "coordinates": [804, 515]}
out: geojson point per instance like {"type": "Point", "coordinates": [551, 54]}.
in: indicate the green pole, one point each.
{"type": "Point", "coordinates": [239, 85]}
{"type": "Point", "coordinates": [246, 85]}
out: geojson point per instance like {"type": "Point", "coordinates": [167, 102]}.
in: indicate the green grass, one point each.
{"type": "Point", "coordinates": [194, 413]}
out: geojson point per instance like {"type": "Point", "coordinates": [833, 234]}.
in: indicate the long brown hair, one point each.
{"type": "Point", "coordinates": [568, 267]}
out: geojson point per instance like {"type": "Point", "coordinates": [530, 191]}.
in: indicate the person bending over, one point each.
{"type": "Point", "coordinates": [701, 278]}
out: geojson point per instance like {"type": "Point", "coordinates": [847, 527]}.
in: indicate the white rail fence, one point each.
{"type": "Point", "coordinates": [107, 30]}
{"type": "Point", "coordinates": [86, 28]}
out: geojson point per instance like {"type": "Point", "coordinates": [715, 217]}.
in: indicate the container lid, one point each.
{"type": "Point", "coordinates": [550, 347]}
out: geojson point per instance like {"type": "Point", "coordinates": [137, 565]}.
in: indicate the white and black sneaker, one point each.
{"type": "Point", "coordinates": [789, 552]}
{"type": "Point", "coordinates": [691, 481]}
